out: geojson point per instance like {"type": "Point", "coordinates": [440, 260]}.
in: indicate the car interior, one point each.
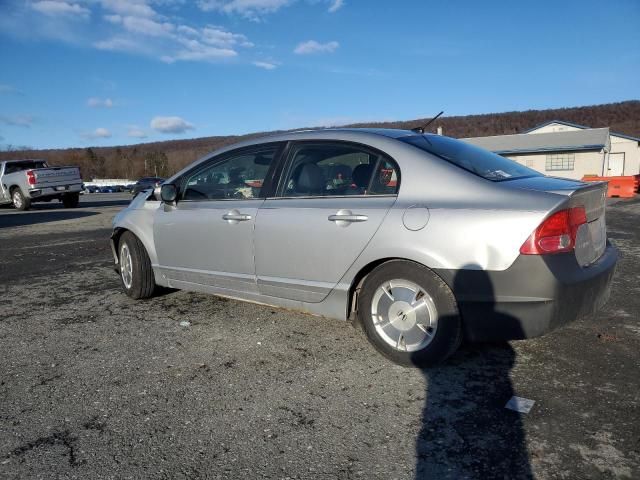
{"type": "Point", "coordinates": [338, 171]}
{"type": "Point", "coordinates": [314, 171]}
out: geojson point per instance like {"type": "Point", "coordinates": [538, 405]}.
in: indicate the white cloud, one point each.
{"type": "Point", "coordinates": [266, 65]}
{"type": "Point", "coordinates": [170, 125]}
{"type": "Point", "coordinates": [311, 46]}
{"type": "Point", "coordinates": [96, 102]}
{"type": "Point", "coordinates": [124, 44]}
{"type": "Point", "coordinates": [336, 5]}
{"type": "Point", "coordinates": [219, 37]}
{"type": "Point", "coordinates": [17, 120]}
{"type": "Point", "coordinates": [55, 8]}
{"type": "Point", "coordinates": [172, 42]}
{"type": "Point", "coordinates": [153, 28]}
{"type": "Point", "coordinates": [147, 26]}
{"type": "Point", "coordinates": [134, 131]}
{"type": "Point", "coordinates": [113, 18]}
{"type": "Point", "coordinates": [4, 88]}
{"type": "Point", "coordinates": [196, 51]}
{"type": "Point", "coordinates": [251, 9]}
{"type": "Point", "coordinates": [137, 8]}
{"type": "Point", "coordinates": [187, 30]}
{"type": "Point", "coordinates": [99, 132]}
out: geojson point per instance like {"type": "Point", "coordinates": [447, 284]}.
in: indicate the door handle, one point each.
{"type": "Point", "coordinates": [344, 218]}
{"type": "Point", "coordinates": [348, 218]}
{"type": "Point", "coordinates": [239, 217]}
{"type": "Point", "coordinates": [234, 216]}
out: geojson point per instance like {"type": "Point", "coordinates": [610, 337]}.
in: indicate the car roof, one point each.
{"type": "Point", "coordinates": [385, 132]}
{"type": "Point", "coordinates": [361, 134]}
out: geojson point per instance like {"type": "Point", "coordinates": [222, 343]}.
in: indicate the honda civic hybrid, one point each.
{"type": "Point", "coordinates": [422, 239]}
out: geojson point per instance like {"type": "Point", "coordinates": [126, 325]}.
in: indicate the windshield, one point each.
{"type": "Point", "coordinates": [473, 159]}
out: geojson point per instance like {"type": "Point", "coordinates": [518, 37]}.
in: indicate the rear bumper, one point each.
{"type": "Point", "coordinates": [533, 296]}
{"type": "Point", "coordinates": [51, 192]}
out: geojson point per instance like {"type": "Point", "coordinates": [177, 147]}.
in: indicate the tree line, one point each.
{"type": "Point", "coordinates": [163, 159]}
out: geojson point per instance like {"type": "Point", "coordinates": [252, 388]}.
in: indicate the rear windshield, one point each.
{"type": "Point", "coordinates": [27, 165]}
{"type": "Point", "coordinates": [473, 159]}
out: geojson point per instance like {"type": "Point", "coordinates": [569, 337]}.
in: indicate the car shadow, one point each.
{"type": "Point", "coordinates": [93, 203]}
{"type": "Point", "coordinates": [466, 431]}
{"type": "Point", "coordinates": [34, 217]}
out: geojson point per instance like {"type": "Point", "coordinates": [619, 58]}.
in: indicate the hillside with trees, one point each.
{"type": "Point", "coordinates": [164, 158]}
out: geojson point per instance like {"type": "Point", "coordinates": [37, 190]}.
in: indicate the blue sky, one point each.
{"type": "Point", "coordinates": [112, 72]}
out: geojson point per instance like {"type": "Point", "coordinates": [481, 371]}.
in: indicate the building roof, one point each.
{"type": "Point", "coordinates": [588, 139]}
{"type": "Point", "coordinates": [575, 125]}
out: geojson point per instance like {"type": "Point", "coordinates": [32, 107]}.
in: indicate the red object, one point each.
{"type": "Point", "coordinates": [31, 177]}
{"type": "Point", "coordinates": [556, 234]}
{"type": "Point", "coordinates": [623, 187]}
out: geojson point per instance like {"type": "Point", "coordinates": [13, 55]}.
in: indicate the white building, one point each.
{"type": "Point", "coordinates": [564, 149]}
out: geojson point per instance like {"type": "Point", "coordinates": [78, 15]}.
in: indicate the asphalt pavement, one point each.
{"type": "Point", "coordinates": [184, 385]}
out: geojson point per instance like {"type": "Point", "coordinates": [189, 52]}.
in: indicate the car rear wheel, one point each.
{"type": "Point", "coordinates": [409, 314]}
{"type": "Point", "coordinates": [70, 200]}
{"type": "Point", "coordinates": [20, 202]}
{"type": "Point", "coordinates": [136, 273]}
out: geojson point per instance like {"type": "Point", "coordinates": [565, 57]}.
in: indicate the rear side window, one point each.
{"type": "Point", "coordinates": [335, 169]}
{"type": "Point", "coordinates": [13, 167]}
{"type": "Point", "coordinates": [471, 158]}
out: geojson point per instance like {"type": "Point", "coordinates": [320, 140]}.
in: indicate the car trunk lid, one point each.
{"type": "Point", "coordinates": [591, 239]}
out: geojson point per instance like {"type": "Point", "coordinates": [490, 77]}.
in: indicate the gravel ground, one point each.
{"type": "Point", "coordinates": [96, 385]}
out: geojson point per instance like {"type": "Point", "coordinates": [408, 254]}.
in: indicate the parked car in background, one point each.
{"type": "Point", "coordinates": [23, 182]}
{"type": "Point", "coordinates": [146, 183]}
{"type": "Point", "coordinates": [421, 238]}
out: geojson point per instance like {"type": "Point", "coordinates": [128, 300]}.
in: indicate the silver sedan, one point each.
{"type": "Point", "coordinates": [420, 238]}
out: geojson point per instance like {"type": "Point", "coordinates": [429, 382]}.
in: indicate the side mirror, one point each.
{"type": "Point", "coordinates": [169, 193]}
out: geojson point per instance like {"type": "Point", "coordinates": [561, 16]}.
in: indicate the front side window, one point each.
{"type": "Point", "coordinates": [560, 161]}
{"type": "Point", "coordinates": [321, 170]}
{"type": "Point", "coordinates": [237, 177]}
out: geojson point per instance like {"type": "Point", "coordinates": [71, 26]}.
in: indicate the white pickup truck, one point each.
{"type": "Point", "coordinates": [25, 181]}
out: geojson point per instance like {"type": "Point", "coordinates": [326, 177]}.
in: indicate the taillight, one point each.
{"type": "Point", "coordinates": [31, 177]}
{"type": "Point", "coordinates": [556, 234]}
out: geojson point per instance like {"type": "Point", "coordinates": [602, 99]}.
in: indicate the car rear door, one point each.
{"type": "Point", "coordinates": [207, 237]}
{"type": "Point", "coordinates": [332, 198]}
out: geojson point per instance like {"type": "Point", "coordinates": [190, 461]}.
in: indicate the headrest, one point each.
{"type": "Point", "coordinates": [362, 174]}
{"type": "Point", "coordinates": [310, 179]}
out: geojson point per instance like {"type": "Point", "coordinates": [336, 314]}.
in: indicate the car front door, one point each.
{"type": "Point", "coordinates": [331, 199]}
{"type": "Point", "coordinates": [207, 237]}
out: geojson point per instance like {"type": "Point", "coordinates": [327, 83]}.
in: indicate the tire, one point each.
{"type": "Point", "coordinates": [70, 200]}
{"type": "Point", "coordinates": [20, 202]}
{"type": "Point", "coordinates": [136, 274]}
{"type": "Point", "coordinates": [409, 314]}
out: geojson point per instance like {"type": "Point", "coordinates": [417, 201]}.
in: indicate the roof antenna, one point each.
{"type": "Point", "coordinates": [423, 128]}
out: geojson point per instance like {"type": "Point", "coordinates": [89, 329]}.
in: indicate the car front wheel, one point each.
{"type": "Point", "coordinates": [409, 314]}
{"type": "Point", "coordinates": [136, 273]}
